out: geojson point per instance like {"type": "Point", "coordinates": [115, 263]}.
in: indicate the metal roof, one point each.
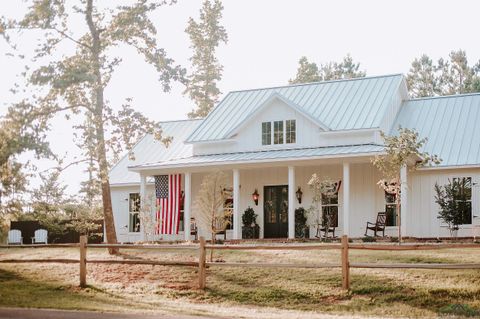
{"type": "Point", "coordinates": [148, 149]}
{"type": "Point", "coordinates": [341, 105]}
{"type": "Point", "coordinates": [451, 124]}
{"type": "Point", "coordinates": [259, 156]}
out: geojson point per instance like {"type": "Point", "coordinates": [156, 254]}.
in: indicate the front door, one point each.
{"type": "Point", "coordinates": [275, 209]}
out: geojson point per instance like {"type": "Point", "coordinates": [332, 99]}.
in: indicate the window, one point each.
{"type": "Point", "coordinates": [266, 133]}
{"type": "Point", "coordinates": [330, 209]}
{"type": "Point", "coordinates": [228, 206]}
{"type": "Point", "coordinates": [290, 131]}
{"type": "Point", "coordinates": [463, 197]}
{"type": "Point", "coordinates": [390, 209]}
{"type": "Point", "coordinates": [134, 210]}
{"type": "Point", "coordinates": [278, 132]}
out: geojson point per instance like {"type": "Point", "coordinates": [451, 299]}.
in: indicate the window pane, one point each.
{"type": "Point", "coordinates": [463, 198]}
{"type": "Point", "coordinates": [291, 131]}
{"type": "Point", "coordinates": [134, 209]}
{"type": "Point", "coordinates": [278, 132]}
{"type": "Point", "coordinates": [391, 212]}
{"type": "Point", "coordinates": [330, 216]}
{"type": "Point", "coordinates": [266, 133]}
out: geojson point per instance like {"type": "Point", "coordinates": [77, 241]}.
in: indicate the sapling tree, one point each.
{"type": "Point", "coordinates": [321, 188]}
{"type": "Point", "coordinates": [209, 212]}
{"type": "Point", "coordinates": [401, 150]}
{"type": "Point", "coordinates": [73, 64]}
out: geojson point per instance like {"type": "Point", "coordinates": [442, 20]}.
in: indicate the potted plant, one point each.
{"type": "Point", "coordinates": [301, 228]}
{"type": "Point", "coordinates": [453, 204]}
{"type": "Point", "coordinates": [250, 228]}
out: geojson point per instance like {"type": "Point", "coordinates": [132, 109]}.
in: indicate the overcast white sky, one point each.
{"type": "Point", "coordinates": [266, 39]}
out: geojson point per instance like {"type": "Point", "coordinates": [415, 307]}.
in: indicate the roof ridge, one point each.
{"type": "Point", "coordinates": [183, 120]}
{"type": "Point", "coordinates": [443, 96]}
{"type": "Point", "coordinates": [319, 82]}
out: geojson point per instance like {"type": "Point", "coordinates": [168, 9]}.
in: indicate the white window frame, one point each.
{"type": "Point", "coordinates": [471, 200]}
{"type": "Point", "coordinates": [272, 133]}
{"type": "Point", "coordinates": [132, 213]}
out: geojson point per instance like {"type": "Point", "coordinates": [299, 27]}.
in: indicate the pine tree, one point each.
{"type": "Point", "coordinates": [205, 36]}
{"type": "Point", "coordinates": [446, 77]}
{"type": "Point", "coordinates": [76, 82]}
{"type": "Point", "coordinates": [308, 72]}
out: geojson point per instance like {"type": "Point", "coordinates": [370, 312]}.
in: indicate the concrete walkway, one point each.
{"type": "Point", "coordinates": [19, 313]}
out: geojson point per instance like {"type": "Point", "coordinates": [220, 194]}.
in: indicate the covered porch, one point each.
{"type": "Point", "coordinates": [276, 182]}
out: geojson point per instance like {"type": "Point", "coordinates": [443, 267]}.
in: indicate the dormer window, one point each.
{"type": "Point", "coordinates": [278, 132]}
{"type": "Point", "coordinates": [283, 132]}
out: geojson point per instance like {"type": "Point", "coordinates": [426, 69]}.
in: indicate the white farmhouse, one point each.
{"type": "Point", "coordinates": [271, 140]}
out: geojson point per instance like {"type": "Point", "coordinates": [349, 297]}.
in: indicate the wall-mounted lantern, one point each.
{"type": "Point", "coordinates": [255, 196]}
{"type": "Point", "coordinates": [299, 194]}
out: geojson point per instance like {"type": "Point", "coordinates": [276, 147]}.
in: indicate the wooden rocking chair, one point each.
{"type": "Point", "coordinates": [378, 226]}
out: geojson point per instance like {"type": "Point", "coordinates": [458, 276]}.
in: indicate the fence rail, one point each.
{"type": "Point", "coordinates": [202, 264]}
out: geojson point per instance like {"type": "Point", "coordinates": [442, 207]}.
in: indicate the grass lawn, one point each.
{"type": "Point", "coordinates": [247, 292]}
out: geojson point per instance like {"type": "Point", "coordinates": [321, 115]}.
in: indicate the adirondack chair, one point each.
{"type": "Point", "coordinates": [15, 237]}
{"type": "Point", "coordinates": [41, 236]}
{"type": "Point", "coordinates": [378, 226]}
{"type": "Point", "coordinates": [193, 228]}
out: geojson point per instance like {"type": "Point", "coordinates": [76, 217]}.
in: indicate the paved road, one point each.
{"type": "Point", "coordinates": [15, 313]}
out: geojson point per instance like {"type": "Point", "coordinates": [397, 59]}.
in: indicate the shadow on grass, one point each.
{"type": "Point", "coordinates": [19, 291]}
{"type": "Point", "coordinates": [321, 291]}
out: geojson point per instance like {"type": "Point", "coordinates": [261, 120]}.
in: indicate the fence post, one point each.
{"type": "Point", "coordinates": [83, 261]}
{"type": "Point", "coordinates": [345, 264]}
{"type": "Point", "coordinates": [202, 274]}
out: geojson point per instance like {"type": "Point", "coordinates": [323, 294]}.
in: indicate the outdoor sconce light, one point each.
{"type": "Point", "coordinates": [299, 194]}
{"type": "Point", "coordinates": [255, 196]}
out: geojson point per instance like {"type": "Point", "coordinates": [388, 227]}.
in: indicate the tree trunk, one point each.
{"type": "Point", "coordinates": [99, 130]}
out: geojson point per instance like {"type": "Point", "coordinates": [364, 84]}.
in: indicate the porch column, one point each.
{"type": "Point", "coordinates": [237, 230]}
{"type": "Point", "coordinates": [291, 202]}
{"type": "Point", "coordinates": [403, 200]}
{"type": "Point", "coordinates": [143, 199]}
{"type": "Point", "coordinates": [187, 205]}
{"type": "Point", "coordinates": [346, 198]}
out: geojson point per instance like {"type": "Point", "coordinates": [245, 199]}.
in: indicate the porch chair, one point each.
{"type": "Point", "coordinates": [221, 227]}
{"type": "Point", "coordinates": [326, 230]}
{"type": "Point", "coordinates": [15, 237]}
{"type": "Point", "coordinates": [41, 236]}
{"type": "Point", "coordinates": [193, 228]}
{"type": "Point", "coordinates": [378, 226]}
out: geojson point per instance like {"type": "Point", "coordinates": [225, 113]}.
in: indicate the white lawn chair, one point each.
{"type": "Point", "coordinates": [15, 237]}
{"type": "Point", "coordinates": [41, 236]}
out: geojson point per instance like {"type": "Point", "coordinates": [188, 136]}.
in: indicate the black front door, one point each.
{"type": "Point", "coordinates": [275, 210]}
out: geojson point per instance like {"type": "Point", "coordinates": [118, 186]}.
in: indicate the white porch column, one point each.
{"type": "Point", "coordinates": [187, 205]}
{"type": "Point", "coordinates": [143, 199]}
{"type": "Point", "coordinates": [237, 230]}
{"type": "Point", "coordinates": [346, 198]}
{"type": "Point", "coordinates": [291, 202]}
{"type": "Point", "coordinates": [403, 200]}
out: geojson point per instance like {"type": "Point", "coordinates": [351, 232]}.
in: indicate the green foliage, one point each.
{"type": "Point", "coordinates": [309, 71]}
{"type": "Point", "coordinates": [205, 36]}
{"type": "Point", "coordinates": [249, 218]}
{"type": "Point", "coordinates": [74, 80]}
{"type": "Point", "coordinates": [446, 77]}
{"type": "Point", "coordinates": [452, 201]}
{"type": "Point", "coordinates": [368, 239]}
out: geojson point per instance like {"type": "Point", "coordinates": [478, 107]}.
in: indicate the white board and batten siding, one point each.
{"type": "Point", "coordinates": [423, 210]}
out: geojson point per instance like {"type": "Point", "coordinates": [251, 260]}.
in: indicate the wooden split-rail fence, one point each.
{"type": "Point", "coordinates": [202, 263]}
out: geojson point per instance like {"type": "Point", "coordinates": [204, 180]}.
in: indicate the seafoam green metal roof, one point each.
{"type": "Point", "coordinates": [270, 155]}
{"type": "Point", "coordinates": [148, 149]}
{"type": "Point", "coordinates": [451, 124]}
{"type": "Point", "coordinates": [341, 105]}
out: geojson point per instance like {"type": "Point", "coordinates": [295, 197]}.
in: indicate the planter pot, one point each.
{"type": "Point", "coordinates": [249, 232]}
{"type": "Point", "coordinates": [302, 231]}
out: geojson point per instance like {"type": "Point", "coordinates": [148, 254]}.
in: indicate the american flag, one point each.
{"type": "Point", "coordinates": [168, 194]}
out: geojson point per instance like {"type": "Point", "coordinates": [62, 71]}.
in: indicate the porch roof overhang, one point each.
{"type": "Point", "coordinates": [263, 157]}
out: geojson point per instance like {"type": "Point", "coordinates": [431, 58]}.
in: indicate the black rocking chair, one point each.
{"type": "Point", "coordinates": [378, 226]}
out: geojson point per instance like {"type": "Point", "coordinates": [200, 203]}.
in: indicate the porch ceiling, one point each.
{"type": "Point", "coordinates": [264, 157]}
